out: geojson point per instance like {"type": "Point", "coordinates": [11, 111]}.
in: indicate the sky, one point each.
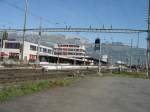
{"type": "Point", "coordinates": [80, 13]}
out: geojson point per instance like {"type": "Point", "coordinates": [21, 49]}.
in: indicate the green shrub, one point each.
{"type": "Point", "coordinates": [14, 91]}
{"type": "Point", "coordinates": [131, 74]}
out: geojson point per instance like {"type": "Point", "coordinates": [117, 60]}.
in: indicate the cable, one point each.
{"type": "Point", "coordinates": [32, 14]}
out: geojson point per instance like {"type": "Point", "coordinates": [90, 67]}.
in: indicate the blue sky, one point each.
{"type": "Point", "coordinates": [80, 13]}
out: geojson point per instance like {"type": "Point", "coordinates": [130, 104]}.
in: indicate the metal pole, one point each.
{"type": "Point", "coordinates": [58, 54]}
{"type": "Point", "coordinates": [111, 53]}
{"type": "Point", "coordinates": [147, 73]}
{"type": "Point", "coordinates": [148, 44]}
{"type": "Point", "coordinates": [131, 54]}
{"type": "Point", "coordinates": [24, 30]}
{"type": "Point", "coordinates": [39, 42]}
{"type": "Point", "coordinates": [99, 62]}
{"type": "Point", "coordinates": [75, 50]}
{"type": "Point", "coordinates": [99, 68]}
{"type": "Point", "coordinates": [121, 62]}
{"type": "Point", "coordinates": [84, 58]}
{"type": "Point", "coordinates": [75, 53]}
{"type": "Point", "coordinates": [138, 57]}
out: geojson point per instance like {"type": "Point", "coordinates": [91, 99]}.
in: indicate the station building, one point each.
{"type": "Point", "coordinates": [65, 54]}
{"type": "Point", "coordinates": [69, 50]}
{"type": "Point", "coordinates": [11, 49]}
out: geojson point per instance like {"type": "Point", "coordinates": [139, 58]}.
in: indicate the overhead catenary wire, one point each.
{"type": "Point", "coordinates": [29, 12]}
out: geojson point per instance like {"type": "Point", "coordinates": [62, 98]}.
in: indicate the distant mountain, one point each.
{"type": "Point", "coordinates": [120, 52]}
{"type": "Point", "coordinates": [49, 39]}
{"type": "Point", "coordinates": [116, 51]}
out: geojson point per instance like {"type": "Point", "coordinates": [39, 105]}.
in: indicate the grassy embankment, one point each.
{"type": "Point", "coordinates": [131, 74]}
{"type": "Point", "coordinates": [12, 92]}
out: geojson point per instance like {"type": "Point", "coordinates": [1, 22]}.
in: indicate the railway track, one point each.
{"type": "Point", "coordinates": [26, 75]}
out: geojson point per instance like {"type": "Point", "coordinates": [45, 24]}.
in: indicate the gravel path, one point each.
{"type": "Point", "coordinates": [108, 94]}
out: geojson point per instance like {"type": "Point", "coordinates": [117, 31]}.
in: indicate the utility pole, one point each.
{"type": "Point", "coordinates": [131, 53]}
{"type": "Point", "coordinates": [138, 56]}
{"type": "Point", "coordinates": [24, 30]}
{"type": "Point", "coordinates": [39, 41]}
{"type": "Point", "coordinates": [99, 63]}
{"type": "Point", "coordinates": [148, 44]}
{"type": "Point", "coordinates": [58, 60]}
{"type": "Point", "coordinates": [84, 59]}
{"type": "Point", "coordinates": [75, 50]}
{"type": "Point", "coordinates": [84, 63]}
{"type": "Point", "coordinates": [111, 54]}
{"type": "Point", "coordinates": [100, 54]}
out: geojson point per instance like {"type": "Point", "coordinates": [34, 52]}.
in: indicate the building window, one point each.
{"type": "Point", "coordinates": [12, 45]}
{"type": "Point", "coordinates": [77, 50]}
{"type": "Point", "coordinates": [44, 50]}
{"type": "Point", "coordinates": [41, 50]}
{"type": "Point", "coordinates": [70, 49]}
{"type": "Point", "coordinates": [79, 54]}
{"type": "Point", "coordinates": [33, 48]}
{"type": "Point", "coordinates": [14, 55]}
{"type": "Point", "coordinates": [49, 51]}
{"type": "Point", "coordinates": [32, 57]}
{"type": "Point", "coordinates": [71, 53]}
{"type": "Point", "coordinates": [64, 53]}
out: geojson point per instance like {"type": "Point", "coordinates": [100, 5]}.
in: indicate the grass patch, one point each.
{"type": "Point", "coordinates": [131, 74]}
{"type": "Point", "coordinates": [12, 92]}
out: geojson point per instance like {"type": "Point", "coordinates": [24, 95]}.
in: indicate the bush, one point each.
{"type": "Point", "coordinates": [131, 74]}
{"type": "Point", "coordinates": [14, 91]}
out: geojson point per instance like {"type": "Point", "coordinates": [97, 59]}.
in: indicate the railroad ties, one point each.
{"type": "Point", "coordinates": [8, 76]}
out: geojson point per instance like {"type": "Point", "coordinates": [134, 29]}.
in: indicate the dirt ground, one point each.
{"type": "Point", "coordinates": [94, 94]}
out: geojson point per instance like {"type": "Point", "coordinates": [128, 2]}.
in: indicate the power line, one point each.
{"type": "Point", "coordinates": [32, 14]}
{"type": "Point", "coordinates": [91, 30]}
